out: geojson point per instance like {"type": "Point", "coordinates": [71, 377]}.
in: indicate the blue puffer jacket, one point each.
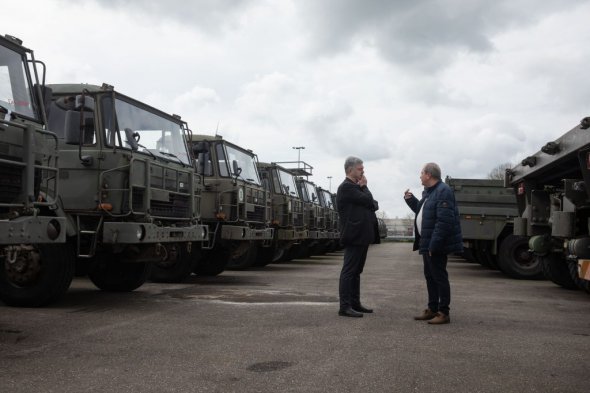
{"type": "Point", "coordinates": [441, 228]}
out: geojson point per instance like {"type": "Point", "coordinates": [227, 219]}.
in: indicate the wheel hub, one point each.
{"type": "Point", "coordinates": [22, 264]}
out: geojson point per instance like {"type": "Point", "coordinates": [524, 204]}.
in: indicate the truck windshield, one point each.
{"type": "Point", "coordinates": [245, 161]}
{"type": "Point", "coordinates": [311, 191]}
{"type": "Point", "coordinates": [15, 88]}
{"type": "Point", "coordinates": [327, 197]}
{"type": "Point", "coordinates": [144, 131]}
{"type": "Point", "coordinates": [287, 181]}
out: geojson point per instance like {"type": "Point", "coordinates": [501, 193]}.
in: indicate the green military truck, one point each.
{"type": "Point", "coordinates": [487, 210]}
{"type": "Point", "coordinates": [326, 198]}
{"type": "Point", "coordinates": [552, 188]}
{"type": "Point", "coordinates": [287, 214]}
{"type": "Point", "coordinates": [129, 191]}
{"type": "Point", "coordinates": [235, 205]}
{"type": "Point", "coordinates": [34, 267]}
{"type": "Point", "coordinates": [314, 218]}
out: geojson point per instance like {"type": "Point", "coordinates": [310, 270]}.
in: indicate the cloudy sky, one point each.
{"type": "Point", "coordinates": [467, 84]}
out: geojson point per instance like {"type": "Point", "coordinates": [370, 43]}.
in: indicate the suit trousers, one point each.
{"type": "Point", "coordinates": [350, 276]}
{"type": "Point", "coordinates": [437, 282]}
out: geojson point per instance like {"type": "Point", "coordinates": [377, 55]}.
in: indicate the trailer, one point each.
{"type": "Point", "coordinates": [487, 210]}
{"type": "Point", "coordinates": [552, 190]}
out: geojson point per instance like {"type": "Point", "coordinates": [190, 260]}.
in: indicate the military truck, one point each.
{"type": "Point", "coordinates": [235, 205]}
{"type": "Point", "coordinates": [315, 220]}
{"type": "Point", "coordinates": [287, 214]}
{"type": "Point", "coordinates": [128, 188]}
{"type": "Point", "coordinates": [487, 210]}
{"type": "Point", "coordinates": [552, 190]}
{"type": "Point", "coordinates": [332, 240]}
{"type": "Point", "coordinates": [35, 268]}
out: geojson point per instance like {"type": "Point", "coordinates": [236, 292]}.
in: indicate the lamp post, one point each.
{"type": "Point", "coordinates": [330, 183]}
{"type": "Point", "coordinates": [298, 148]}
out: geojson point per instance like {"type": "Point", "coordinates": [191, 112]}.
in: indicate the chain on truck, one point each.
{"type": "Point", "coordinates": [235, 205]}
{"type": "Point", "coordinates": [31, 233]}
{"type": "Point", "coordinates": [552, 188]}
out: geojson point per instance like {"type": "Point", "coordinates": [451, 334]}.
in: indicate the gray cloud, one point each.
{"type": "Point", "coordinates": [207, 16]}
{"type": "Point", "coordinates": [422, 35]}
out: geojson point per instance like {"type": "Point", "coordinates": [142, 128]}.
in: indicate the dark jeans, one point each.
{"type": "Point", "coordinates": [350, 276]}
{"type": "Point", "coordinates": [437, 282]}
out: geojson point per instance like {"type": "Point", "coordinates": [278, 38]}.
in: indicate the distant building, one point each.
{"type": "Point", "coordinates": [400, 227]}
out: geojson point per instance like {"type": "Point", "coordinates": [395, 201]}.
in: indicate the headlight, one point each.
{"type": "Point", "coordinates": [140, 232]}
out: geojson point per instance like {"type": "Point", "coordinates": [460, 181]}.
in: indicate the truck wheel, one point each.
{"type": "Point", "coordinates": [468, 255]}
{"type": "Point", "coordinates": [516, 261]}
{"type": "Point", "coordinates": [265, 255]}
{"type": "Point", "coordinates": [177, 267]}
{"type": "Point", "coordinates": [39, 276]}
{"type": "Point", "coordinates": [555, 269]}
{"type": "Point", "coordinates": [115, 276]}
{"type": "Point", "coordinates": [212, 262]}
{"type": "Point", "coordinates": [580, 283]}
{"type": "Point", "coordinates": [243, 255]}
{"type": "Point", "coordinates": [484, 254]}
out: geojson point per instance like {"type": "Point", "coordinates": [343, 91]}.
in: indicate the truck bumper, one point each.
{"type": "Point", "coordinates": [292, 234]}
{"type": "Point", "coordinates": [135, 233]}
{"type": "Point", "coordinates": [33, 230]}
{"type": "Point", "coordinates": [318, 235]}
{"type": "Point", "coordinates": [229, 232]}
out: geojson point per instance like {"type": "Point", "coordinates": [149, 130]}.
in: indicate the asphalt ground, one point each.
{"type": "Point", "coordinates": [276, 329]}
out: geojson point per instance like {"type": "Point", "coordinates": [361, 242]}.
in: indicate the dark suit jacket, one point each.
{"type": "Point", "coordinates": [356, 208]}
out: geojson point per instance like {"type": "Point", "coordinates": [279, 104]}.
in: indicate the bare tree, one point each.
{"type": "Point", "coordinates": [499, 172]}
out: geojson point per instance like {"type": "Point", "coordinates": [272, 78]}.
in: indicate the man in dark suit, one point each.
{"type": "Point", "coordinates": [358, 229]}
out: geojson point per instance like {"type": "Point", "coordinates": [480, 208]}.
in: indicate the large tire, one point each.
{"type": "Point", "coordinates": [516, 261]}
{"type": "Point", "coordinates": [38, 277]}
{"type": "Point", "coordinates": [484, 255]}
{"type": "Point", "coordinates": [177, 267]}
{"type": "Point", "coordinates": [243, 255]}
{"type": "Point", "coordinates": [212, 262]}
{"type": "Point", "coordinates": [580, 283]}
{"type": "Point", "coordinates": [115, 276]}
{"type": "Point", "coordinates": [556, 269]}
{"type": "Point", "coordinates": [264, 256]}
{"type": "Point", "coordinates": [468, 255]}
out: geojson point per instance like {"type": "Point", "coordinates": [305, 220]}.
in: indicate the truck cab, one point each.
{"type": "Point", "coordinates": [287, 215]}
{"type": "Point", "coordinates": [129, 189]}
{"type": "Point", "coordinates": [235, 205]}
{"type": "Point", "coordinates": [34, 270]}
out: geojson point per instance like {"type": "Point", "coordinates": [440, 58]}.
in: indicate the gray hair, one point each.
{"type": "Point", "coordinates": [351, 162]}
{"type": "Point", "coordinates": [433, 170]}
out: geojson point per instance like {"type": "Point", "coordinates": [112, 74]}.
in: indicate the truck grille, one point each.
{"type": "Point", "coordinates": [256, 215]}
{"type": "Point", "coordinates": [10, 183]}
{"type": "Point", "coordinates": [178, 206]}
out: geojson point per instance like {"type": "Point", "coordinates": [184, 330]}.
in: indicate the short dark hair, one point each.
{"type": "Point", "coordinates": [433, 170]}
{"type": "Point", "coordinates": [351, 162]}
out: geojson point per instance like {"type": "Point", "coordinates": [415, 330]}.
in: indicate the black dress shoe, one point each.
{"type": "Point", "coordinates": [349, 312]}
{"type": "Point", "coordinates": [360, 308]}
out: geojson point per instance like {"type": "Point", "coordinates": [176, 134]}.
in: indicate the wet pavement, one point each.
{"type": "Point", "coordinates": [276, 329]}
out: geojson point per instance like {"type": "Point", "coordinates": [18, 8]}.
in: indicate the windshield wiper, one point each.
{"type": "Point", "coordinates": [174, 156]}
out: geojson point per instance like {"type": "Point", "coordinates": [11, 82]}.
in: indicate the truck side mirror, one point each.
{"type": "Point", "coordinates": [236, 169]}
{"type": "Point", "coordinates": [200, 147]}
{"type": "Point", "coordinates": [72, 127]}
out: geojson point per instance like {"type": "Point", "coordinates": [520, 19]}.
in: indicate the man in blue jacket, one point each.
{"type": "Point", "coordinates": [358, 229]}
{"type": "Point", "coordinates": [437, 233]}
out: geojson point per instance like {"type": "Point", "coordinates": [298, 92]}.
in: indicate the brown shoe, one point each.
{"type": "Point", "coordinates": [440, 319]}
{"type": "Point", "coordinates": [426, 315]}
